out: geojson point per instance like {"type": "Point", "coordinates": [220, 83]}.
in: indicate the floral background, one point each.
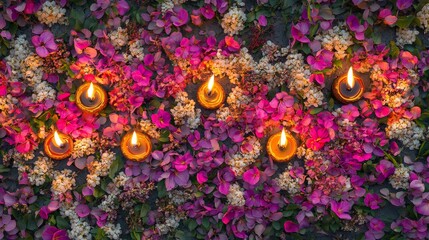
{"type": "Point", "coordinates": [361, 169]}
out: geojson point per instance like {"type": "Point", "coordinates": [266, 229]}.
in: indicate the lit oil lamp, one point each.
{"type": "Point", "coordinates": [211, 94]}
{"type": "Point", "coordinates": [136, 146]}
{"type": "Point", "coordinates": [91, 98]}
{"type": "Point", "coordinates": [281, 146]}
{"type": "Point", "coordinates": [58, 146]}
{"type": "Point", "coordinates": [348, 89]}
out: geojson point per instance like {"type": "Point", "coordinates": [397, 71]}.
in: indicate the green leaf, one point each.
{"type": "Point", "coordinates": [251, 16]}
{"type": "Point", "coordinates": [405, 21]}
{"type": "Point", "coordinates": [206, 223]}
{"type": "Point", "coordinates": [277, 226]}
{"type": "Point", "coordinates": [3, 169]}
{"type": "Point", "coordinates": [72, 98]}
{"type": "Point", "coordinates": [144, 210]}
{"type": "Point", "coordinates": [62, 223]}
{"type": "Point", "coordinates": [315, 111]}
{"type": "Point", "coordinates": [162, 191]}
{"type": "Point", "coordinates": [394, 50]}
{"type": "Point", "coordinates": [424, 149]}
{"type": "Point", "coordinates": [77, 18]}
{"type": "Point", "coordinates": [135, 235]}
{"type": "Point", "coordinates": [100, 234]}
{"type": "Point", "coordinates": [192, 225]}
{"type": "Point", "coordinates": [179, 235]}
{"type": "Point", "coordinates": [98, 192]}
{"type": "Point", "coordinates": [117, 165]}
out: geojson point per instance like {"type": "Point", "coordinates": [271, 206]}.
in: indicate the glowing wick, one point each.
{"type": "Point", "coordinates": [134, 142]}
{"type": "Point", "coordinates": [90, 92]}
{"type": "Point", "coordinates": [210, 85]}
{"type": "Point", "coordinates": [283, 140]}
{"type": "Point", "coordinates": [350, 79]}
{"type": "Point", "coordinates": [58, 140]}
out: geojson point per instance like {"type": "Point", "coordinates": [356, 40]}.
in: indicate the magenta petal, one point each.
{"type": "Point", "coordinates": [252, 176]}
{"type": "Point", "coordinates": [46, 37]}
{"type": "Point", "coordinates": [35, 40]}
{"type": "Point", "coordinates": [202, 177]}
{"type": "Point", "coordinates": [262, 20]}
{"type": "Point", "coordinates": [423, 208]}
{"type": "Point", "coordinates": [181, 178]}
{"type": "Point", "coordinates": [291, 227]}
{"type": "Point", "coordinates": [42, 51]}
{"type": "Point", "coordinates": [82, 210]}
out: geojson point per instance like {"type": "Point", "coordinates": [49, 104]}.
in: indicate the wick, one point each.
{"type": "Point", "coordinates": [349, 88]}
{"type": "Point", "coordinates": [136, 146]}
{"type": "Point", "coordinates": [209, 93]}
{"type": "Point", "coordinates": [281, 148]}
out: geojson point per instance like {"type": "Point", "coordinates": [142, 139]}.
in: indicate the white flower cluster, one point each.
{"type": "Point", "coordinates": [7, 103]}
{"type": "Point", "coordinates": [17, 156]}
{"type": "Point", "coordinates": [31, 69]}
{"type": "Point", "coordinates": [100, 168]}
{"type": "Point", "coordinates": [179, 197]}
{"type": "Point", "coordinates": [288, 183]}
{"type": "Point", "coordinates": [63, 181]}
{"type": "Point", "coordinates": [236, 98]}
{"type": "Point", "coordinates": [303, 152]}
{"type": "Point", "coordinates": [406, 36]}
{"type": "Point", "coordinates": [136, 49]}
{"type": "Point", "coordinates": [223, 113]}
{"type": "Point", "coordinates": [171, 223]}
{"type": "Point", "coordinates": [337, 40]}
{"type": "Point", "coordinates": [236, 196]}
{"type": "Point", "coordinates": [79, 228]}
{"type": "Point", "coordinates": [166, 6]}
{"type": "Point", "coordinates": [401, 177]}
{"type": "Point", "coordinates": [184, 112]}
{"type": "Point", "coordinates": [42, 169]}
{"type": "Point", "coordinates": [19, 51]}
{"type": "Point", "coordinates": [108, 204]}
{"type": "Point", "coordinates": [43, 91]}
{"type": "Point", "coordinates": [233, 21]}
{"type": "Point", "coordinates": [423, 17]}
{"type": "Point", "coordinates": [240, 161]}
{"type": "Point", "coordinates": [119, 37]}
{"type": "Point", "coordinates": [299, 80]}
{"type": "Point", "coordinates": [407, 132]}
{"type": "Point", "coordinates": [151, 129]}
{"type": "Point", "coordinates": [51, 13]}
{"type": "Point", "coordinates": [233, 66]}
{"type": "Point", "coordinates": [112, 231]}
{"type": "Point", "coordinates": [120, 180]}
{"type": "Point", "coordinates": [83, 147]}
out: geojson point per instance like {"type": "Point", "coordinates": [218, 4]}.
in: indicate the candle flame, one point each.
{"type": "Point", "coordinates": [57, 139]}
{"type": "Point", "coordinates": [90, 92]}
{"type": "Point", "coordinates": [283, 139]}
{"type": "Point", "coordinates": [350, 78]}
{"type": "Point", "coordinates": [134, 139]}
{"type": "Point", "coordinates": [211, 83]}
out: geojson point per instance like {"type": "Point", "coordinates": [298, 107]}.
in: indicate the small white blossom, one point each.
{"type": "Point", "coordinates": [406, 36]}
{"type": "Point", "coordinates": [119, 37]}
{"type": "Point", "coordinates": [401, 177]}
{"type": "Point", "coordinates": [51, 13]}
{"type": "Point", "coordinates": [233, 21]}
{"type": "Point", "coordinates": [423, 17]}
{"type": "Point", "coordinates": [407, 132]}
{"type": "Point", "coordinates": [236, 196]}
{"type": "Point", "coordinates": [185, 113]}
